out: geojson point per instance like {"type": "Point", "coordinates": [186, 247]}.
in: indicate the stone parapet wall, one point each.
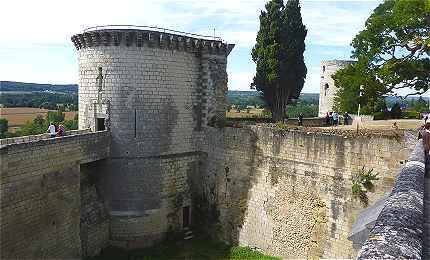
{"type": "Point", "coordinates": [398, 231]}
{"type": "Point", "coordinates": [40, 195]}
{"type": "Point", "coordinates": [33, 138]}
{"type": "Point", "coordinates": [150, 38]}
{"type": "Point", "coordinates": [288, 193]}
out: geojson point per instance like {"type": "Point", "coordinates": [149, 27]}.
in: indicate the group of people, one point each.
{"type": "Point", "coordinates": [333, 118]}
{"type": "Point", "coordinates": [55, 130]}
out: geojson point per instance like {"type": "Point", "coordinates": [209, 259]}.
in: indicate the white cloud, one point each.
{"type": "Point", "coordinates": [240, 80]}
{"type": "Point", "coordinates": [28, 24]}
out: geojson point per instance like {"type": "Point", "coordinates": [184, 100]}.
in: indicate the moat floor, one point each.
{"type": "Point", "coordinates": [197, 248]}
{"type": "Point", "coordinates": [426, 246]}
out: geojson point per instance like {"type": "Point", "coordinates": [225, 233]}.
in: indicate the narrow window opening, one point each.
{"type": "Point", "coordinates": [135, 123]}
{"type": "Point", "coordinates": [325, 89]}
{"type": "Point", "coordinates": [186, 216]}
{"type": "Point", "coordinates": [100, 124]}
{"type": "Point", "coordinates": [323, 69]}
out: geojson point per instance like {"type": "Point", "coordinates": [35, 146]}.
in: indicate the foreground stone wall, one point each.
{"type": "Point", "coordinates": [40, 195]}
{"type": "Point", "coordinates": [288, 193]}
{"type": "Point", "coordinates": [398, 231]}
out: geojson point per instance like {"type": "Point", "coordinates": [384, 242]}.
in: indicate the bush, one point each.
{"type": "Point", "coordinates": [411, 114]}
{"type": "Point", "coordinates": [396, 111]}
{"type": "Point", "coordinates": [380, 116]}
{"type": "Point", "coordinates": [3, 126]}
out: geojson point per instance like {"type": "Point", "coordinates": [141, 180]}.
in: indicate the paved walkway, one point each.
{"type": "Point", "coordinates": [426, 246]}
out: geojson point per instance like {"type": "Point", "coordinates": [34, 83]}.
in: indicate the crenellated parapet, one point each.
{"type": "Point", "coordinates": [141, 38]}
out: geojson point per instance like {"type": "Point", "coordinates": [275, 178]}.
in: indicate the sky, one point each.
{"type": "Point", "coordinates": [35, 36]}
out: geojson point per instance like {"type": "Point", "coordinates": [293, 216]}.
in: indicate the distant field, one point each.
{"type": "Point", "coordinates": [253, 112]}
{"type": "Point", "coordinates": [18, 116]}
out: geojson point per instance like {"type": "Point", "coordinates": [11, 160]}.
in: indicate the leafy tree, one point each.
{"type": "Point", "coordinates": [278, 54]}
{"type": "Point", "coordinates": [420, 105]}
{"type": "Point", "coordinates": [55, 116]}
{"type": "Point", "coordinates": [395, 45]}
{"type": "Point", "coordinates": [349, 80]}
{"type": "Point", "coordinates": [381, 106]}
{"type": "Point", "coordinates": [396, 111]}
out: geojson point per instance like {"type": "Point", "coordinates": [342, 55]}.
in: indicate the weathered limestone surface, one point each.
{"type": "Point", "coordinates": [398, 232]}
{"type": "Point", "coordinates": [426, 231]}
{"type": "Point", "coordinates": [288, 193]}
{"type": "Point", "coordinates": [40, 195]}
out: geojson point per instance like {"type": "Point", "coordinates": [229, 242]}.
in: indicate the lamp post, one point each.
{"type": "Point", "coordinates": [359, 99]}
{"type": "Point", "coordinates": [359, 106]}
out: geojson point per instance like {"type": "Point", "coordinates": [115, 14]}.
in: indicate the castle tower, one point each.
{"type": "Point", "coordinates": [156, 91]}
{"type": "Point", "coordinates": [327, 88]}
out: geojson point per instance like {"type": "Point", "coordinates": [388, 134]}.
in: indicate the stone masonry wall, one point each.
{"type": "Point", "coordinates": [40, 195]}
{"type": "Point", "coordinates": [288, 193]}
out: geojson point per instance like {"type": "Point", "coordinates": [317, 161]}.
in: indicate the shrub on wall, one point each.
{"type": "Point", "coordinates": [362, 182]}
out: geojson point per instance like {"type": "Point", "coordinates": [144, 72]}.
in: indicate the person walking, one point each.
{"type": "Point", "coordinates": [335, 118]}
{"type": "Point", "coordinates": [327, 119]}
{"type": "Point", "coordinates": [61, 130]}
{"type": "Point", "coordinates": [300, 119]}
{"type": "Point", "coordinates": [346, 118]}
{"type": "Point", "coordinates": [51, 129]}
{"type": "Point", "coordinates": [330, 115]}
{"type": "Point", "coordinates": [426, 140]}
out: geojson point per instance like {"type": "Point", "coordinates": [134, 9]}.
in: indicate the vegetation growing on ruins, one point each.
{"type": "Point", "coordinates": [392, 53]}
{"type": "Point", "coordinates": [197, 248]}
{"type": "Point", "coordinates": [362, 182]}
{"type": "Point", "coordinates": [278, 54]}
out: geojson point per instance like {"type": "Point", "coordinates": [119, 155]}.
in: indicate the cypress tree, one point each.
{"type": "Point", "coordinates": [278, 54]}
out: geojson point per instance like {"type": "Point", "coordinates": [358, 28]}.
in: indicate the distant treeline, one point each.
{"type": "Point", "coordinates": [253, 98]}
{"type": "Point", "coordinates": [34, 87]}
{"type": "Point", "coordinates": [40, 100]}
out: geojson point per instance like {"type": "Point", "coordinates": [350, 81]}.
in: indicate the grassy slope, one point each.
{"type": "Point", "coordinates": [197, 248]}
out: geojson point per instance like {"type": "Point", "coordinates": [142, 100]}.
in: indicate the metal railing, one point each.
{"type": "Point", "coordinates": [152, 28]}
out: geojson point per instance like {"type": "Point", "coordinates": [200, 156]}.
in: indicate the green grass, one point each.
{"type": "Point", "coordinates": [197, 248]}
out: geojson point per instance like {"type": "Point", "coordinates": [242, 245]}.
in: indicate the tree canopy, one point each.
{"type": "Point", "coordinates": [278, 54]}
{"type": "Point", "coordinates": [392, 52]}
{"type": "Point", "coordinates": [395, 45]}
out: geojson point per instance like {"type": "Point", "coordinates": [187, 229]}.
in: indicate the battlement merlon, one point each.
{"type": "Point", "coordinates": [153, 38]}
{"type": "Point", "coordinates": [337, 63]}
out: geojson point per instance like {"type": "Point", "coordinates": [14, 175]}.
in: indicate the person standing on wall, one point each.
{"type": "Point", "coordinates": [327, 119]}
{"type": "Point", "coordinates": [51, 129]}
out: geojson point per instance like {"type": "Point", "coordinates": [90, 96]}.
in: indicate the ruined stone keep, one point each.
{"type": "Point", "coordinates": [155, 91]}
{"type": "Point", "coordinates": [327, 88]}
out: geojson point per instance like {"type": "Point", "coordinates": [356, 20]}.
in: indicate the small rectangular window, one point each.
{"type": "Point", "coordinates": [100, 124]}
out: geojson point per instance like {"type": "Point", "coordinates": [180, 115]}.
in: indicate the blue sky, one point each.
{"type": "Point", "coordinates": [35, 36]}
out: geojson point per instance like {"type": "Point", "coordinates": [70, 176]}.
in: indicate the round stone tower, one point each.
{"type": "Point", "coordinates": [327, 88]}
{"type": "Point", "coordinates": [155, 90]}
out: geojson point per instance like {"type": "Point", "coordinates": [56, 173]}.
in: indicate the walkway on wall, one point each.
{"type": "Point", "coordinates": [426, 246]}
